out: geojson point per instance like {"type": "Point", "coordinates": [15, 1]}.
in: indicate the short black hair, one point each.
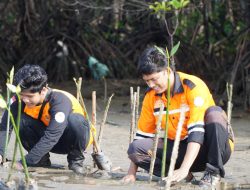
{"type": "Point", "coordinates": [31, 77]}
{"type": "Point", "coordinates": [151, 61]}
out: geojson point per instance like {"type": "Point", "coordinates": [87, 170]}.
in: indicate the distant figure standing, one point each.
{"type": "Point", "coordinates": [51, 121]}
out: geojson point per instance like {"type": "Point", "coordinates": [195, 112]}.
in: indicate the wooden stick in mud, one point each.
{"type": "Point", "coordinates": [94, 114]}
{"type": "Point", "coordinates": [229, 108]}
{"type": "Point", "coordinates": [104, 120]}
{"type": "Point", "coordinates": [78, 84]}
{"type": "Point", "coordinates": [133, 118]}
{"type": "Point", "coordinates": [137, 107]}
{"type": "Point", "coordinates": [78, 87]}
{"type": "Point", "coordinates": [155, 145]}
{"type": "Point", "coordinates": [94, 108]}
{"type": "Point", "coordinates": [131, 109]}
{"type": "Point", "coordinates": [175, 148]}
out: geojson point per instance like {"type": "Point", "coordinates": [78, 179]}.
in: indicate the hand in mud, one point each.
{"type": "Point", "coordinates": [18, 166]}
{"type": "Point", "coordinates": [128, 179]}
{"type": "Point", "coordinates": [179, 174]}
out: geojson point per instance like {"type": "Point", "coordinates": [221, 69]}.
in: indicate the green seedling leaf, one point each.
{"type": "Point", "coordinates": [18, 89]}
{"type": "Point", "coordinates": [12, 87]}
{"type": "Point", "coordinates": [176, 4]}
{"type": "Point", "coordinates": [2, 103]}
{"type": "Point", "coordinates": [11, 75]}
{"type": "Point", "coordinates": [184, 3]}
{"type": "Point", "coordinates": [160, 50]}
{"type": "Point", "coordinates": [175, 48]}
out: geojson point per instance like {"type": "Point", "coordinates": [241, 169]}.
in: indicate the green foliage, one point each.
{"type": "Point", "coordinates": [160, 50]}
{"type": "Point", "coordinates": [174, 49]}
{"type": "Point", "coordinates": [3, 104]}
{"type": "Point", "coordinates": [165, 6]}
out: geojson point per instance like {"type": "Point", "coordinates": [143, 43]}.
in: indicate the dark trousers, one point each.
{"type": "Point", "coordinates": [73, 142]}
{"type": "Point", "coordinates": [214, 152]}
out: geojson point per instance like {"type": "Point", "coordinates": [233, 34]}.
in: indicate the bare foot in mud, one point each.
{"type": "Point", "coordinates": [128, 179]}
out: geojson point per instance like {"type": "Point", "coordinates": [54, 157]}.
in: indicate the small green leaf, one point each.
{"type": "Point", "coordinates": [176, 4]}
{"type": "Point", "coordinates": [151, 7]}
{"type": "Point", "coordinates": [167, 53]}
{"type": "Point", "coordinates": [11, 87]}
{"type": "Point", "coordinates": [174, 49]}
{"type": "Point", "coordinates": [160, 50]}
{"type": "Point", "coordinates": [11, 75]}
{"type": "Point", "coordinates": [18, 89]}
{"type": "Point", "coordinates": [184, 3]}
{"type": "Point", "coordinates": [2, 103]}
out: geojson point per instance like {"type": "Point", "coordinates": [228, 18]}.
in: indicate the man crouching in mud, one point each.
{"type": "Point", "coordinates": [206, 141]}
{"type": "Point", "coordinates": [51, 121]}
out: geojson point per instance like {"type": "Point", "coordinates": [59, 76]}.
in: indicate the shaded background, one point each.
{"type": "Point", "coordinates": [61, 35]}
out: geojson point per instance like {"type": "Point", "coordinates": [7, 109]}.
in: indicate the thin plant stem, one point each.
{"type": "Point", "coordinates": [26, 172]}
{"type": "Point", "coordinates": [176, 146]}
{"type": "Point", "coordinates": [104, 119]}
{"type": "Point", "coordinates": [8, 127]}
{"type": "Point", "coordinates": [163, 164]}
{"type": "Point", "coordinates": [10, 81]}
{"type": "Point", "coordinates": [155, 145]}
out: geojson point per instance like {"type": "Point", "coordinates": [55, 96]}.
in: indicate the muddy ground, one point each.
{"type": "Point", "coordinates": [115, 143]}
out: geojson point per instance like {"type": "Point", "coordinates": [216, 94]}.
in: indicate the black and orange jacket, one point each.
{"type": "Point", "coordinates": [53, 112]}
{"type": "Point", "coordinates": [189, 92]}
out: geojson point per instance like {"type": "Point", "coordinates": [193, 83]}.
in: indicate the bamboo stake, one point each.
{"type": "Point", "coordinates": [155, 145]}
{"type": "Point", "coordinates": [133, 119]}
{"type": "Point", "coordinates": [104, 120]}
{"type": "Point", "coordinates": [137, 108]}
{"type": "Point", "coordinates": [87, 116]}
{"type": "Point", "coordinates": [176, 147]}
{"type": "Point", "coordinates": [94, 108]}
{"type": "Point", "coordinates": [131, 109]}
{"type": "Point", "coordinates": [94, 115]}
{"type": "Point", "coordinates": [229, 108]}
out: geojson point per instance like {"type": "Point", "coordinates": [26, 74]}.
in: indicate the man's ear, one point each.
{"type": "Point", "coordinates": [44, 91]}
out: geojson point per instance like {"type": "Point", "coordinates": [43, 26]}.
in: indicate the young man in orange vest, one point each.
{"type": "Point", "coordinates": [51, 121]}
{"type": "Point", "coordinates": [206, 142]}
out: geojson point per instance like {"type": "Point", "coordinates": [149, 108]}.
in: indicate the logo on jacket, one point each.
{"type": "Point", "coordinates": [60, 117]}
{"type": "Point", "coordinates": [198, 101]}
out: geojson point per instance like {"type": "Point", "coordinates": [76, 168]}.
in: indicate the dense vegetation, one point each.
{"type": "Point", "coordinates": [60, 35]}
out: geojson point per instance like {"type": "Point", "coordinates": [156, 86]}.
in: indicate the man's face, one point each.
{"type": "Point", "coordinates": [32, 99]}
{"type": "Point", "coordinates": [157, 81]}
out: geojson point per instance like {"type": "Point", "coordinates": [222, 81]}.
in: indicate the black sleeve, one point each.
{"type": "Point", "coordinates": [60, 108]}
{"type": "Point", "coordinates": [4, 121]}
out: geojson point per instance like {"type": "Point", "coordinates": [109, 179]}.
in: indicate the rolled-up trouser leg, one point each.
{"type": "Point", "coordinates": [215, 150]}
{"type": "Point", "coordinates": [140, 150]}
